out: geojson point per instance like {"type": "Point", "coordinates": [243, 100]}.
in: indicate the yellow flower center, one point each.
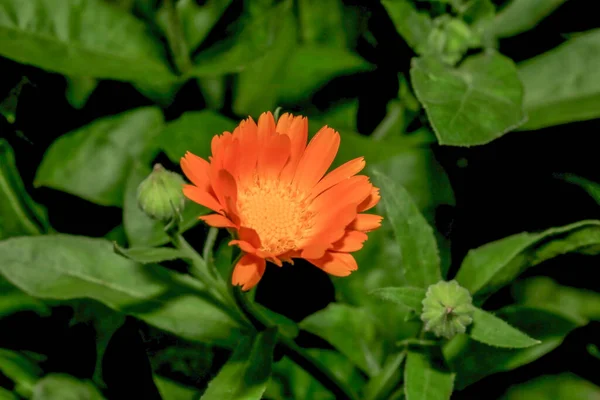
{"type": "Point", "coordinates": [277, 213]}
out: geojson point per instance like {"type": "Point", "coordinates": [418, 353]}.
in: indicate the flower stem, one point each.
{"type": "Point", "coordinates": [176, 39]}
{"type": "Point", "coordinates": [296, 353]}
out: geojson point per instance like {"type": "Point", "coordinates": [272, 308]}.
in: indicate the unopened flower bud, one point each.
{"type": "Point", "coordinates": [160, 195]}
{"type": "Point", "coordinates": [447, 309]}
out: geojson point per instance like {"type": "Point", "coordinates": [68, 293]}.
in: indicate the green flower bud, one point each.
{"type": "Point", "coordinates": [160, 195]}
{"type": "Point", "coordinates": [447, 309]}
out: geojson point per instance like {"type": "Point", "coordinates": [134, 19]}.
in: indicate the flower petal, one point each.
{"type": "Point", "coordinates": [196, 169]}
{"type": "Point", "coordinates": [350, 191]}
{"type": "Point", "coordinates": [339, 174]}
{"type": "Point", "coordinates": [225, 188]}
{"type": "Point", "coordinates": [371, 201]}
{"type": "Point", "coordinates": [365, 222]}
{"type": "Point", "coordinates": [298, 134]}
{"type": "Point", "coordinates": [337, 264]}
{"type": "Point", "coordinates": [352, 241]}
{"type": "Point", "coordinates": [273, 158]}
{"type": "Point", "coordinates": [248, 271]}
{"type": "Point", "coordinates": [201, 197]}
{"type": "Point", "coordinates": [317, 158]}
{"type": "Point", "coordinates": [217, 220]}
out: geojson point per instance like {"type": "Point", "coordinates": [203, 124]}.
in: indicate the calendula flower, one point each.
{"type": "Point", "coordinates": [269, 187]}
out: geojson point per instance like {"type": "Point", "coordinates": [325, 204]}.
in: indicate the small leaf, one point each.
{"type": "Point", "coordinates": [64, 387]}
{"type": "Point", "coordinates": [64, 267]}
{"type": "Point", "coordinates": [352, 331]}
{"type": "Point", "coordinates": [418, 248]}
{"type": "Point", "coordinates": [79, 89]}
{"type": "Point", "coordinates": [564, 386]}
{"type": "Point", "coordinates": [92, 162]}
{"type": "Point", "coordinates": [522, 15]}
{"type": "Point", "coordinates": [172, 390]}
{"type": "Point", "coordinates": [491, 330]}
{"type": "Point", "coordinates": [81, 39]}
{"type": "Point", "coordinates": [494, 265]}
{"type": "Point", "coordinates": [473, 361]}
{"type": "Point", "coordinates": [590, 187]}
{"type": "Point", "coordinates": [19, 214]}
{"type": "Point", "coordinates": [149, 255]}
{"type": "Point", "coordinates": [409, 297]}
{"type": "Point", "coordinates": [425, 380]}
{"type": "Point", "coordinates": [7, 395]}
{"type": "Point", "coordinates": [563, 85]}
{"type": "Point", "coordinates": [246, 373]}
{"type": "Point", "coordinates": [473, 104]}
{"type": "Point", "coordinates": [19, 369]}
{"type": "Point", "coordinates": [412, 25]}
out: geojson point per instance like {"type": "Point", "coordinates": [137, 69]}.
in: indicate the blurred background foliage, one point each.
{"type": "Point", "coordinates": [94, 92]}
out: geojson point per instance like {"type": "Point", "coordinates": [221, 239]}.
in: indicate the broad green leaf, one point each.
{"type": "Point", "coordinates": [350, 330]}
{"type": "Point", "coordinates": [64, 387]}
{"type": "Point", "coordinates": [493, 331]}
{"type": "Point", "coordinates": [14, 300]}
{"type": "Point", "coordinates": [246, 373]}
{"type": "Point", "coordinates": [380, 386]}
{"type": "Point", "coordinates": [543, 292]}
{"type": "Point", "coordinates": [592, 188]}
{"type": "Point", "coordinates": [257, 86]}
{"type": "Point", "coordinates": [563, 84]}
{"type": "Point", "coordinates": [494, 265]}
{"type": "Point", "coordinates": [196, 21]}
{"type": "Point", "coordinates": [149, 255]}
{"type": "Point", "coordinates": [306, 71]}
{"type": "Point", "coordinates": [21, 370]}
{"type": "Point", "coordinates": [75, 38]}
{"type": "Point", "coordinates": [473, 104]}
{"type": "Point", "coordinates": [171, 390]}
{"type": "Point", "coordinates": [255, 40]}
{"type": "Point", "coordinates": [564, 386]}
{"type": "Point", "coordinates": [473, 361]}
{"type": "Point", "coordinates": [409, 297]}
{"type": "Point", "coordinates": [322, 22]}
{"type": "Point", "coordinates": [67, 267]}
{"type": "Point", "coordinates": [412, 25]}
{"type": "Point", "coordinates": [192, 132]}
{"type": "Point", "coordinates": [522, 15]}
{"type": "Point", "coordinates": [19, 214]}
{"type": "Point", "coordinates": [419, 256]}
{"type": "Point", "coordinates": [424, 380]}
{"type": "Point", "coordinates": [93, 161]}
{"type": "Point", "coordinates": [140, 229]}
{"type": "Point", "coordinates": [79, 89]}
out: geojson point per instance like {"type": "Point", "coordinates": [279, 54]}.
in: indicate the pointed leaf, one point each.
{"type": "Point", "coordinates": [81, 39]}
{"type": "Point", "coordinates": [418, 249]}
{"type": "Point", "coordinates": [247, 372]}
{"type": "Point", "coordinates": [412, 25]}
{"type": "Point", "coordinates": [491, 330]}
{"type": "Point", "coordinates": [424, 380]}
{"type": "Point", "coordinates": [409, 297]}
{"type": "Point", "coordinates": [64, 387]}
{"type": "Point", "coordinates": [149, 255]}
{"type": "Point", "coordinates": [473, 104]}
{"type": "Point", "coordinates": [522, 15]}
{"type": "Point", "coordinates": [380, 386]}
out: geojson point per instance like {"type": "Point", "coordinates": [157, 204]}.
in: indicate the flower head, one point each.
{"type": "Point", "coordinates": [447, 309]}
{"type": "Point", "coordinates": [159, 195]}
{"type": "Point", "coordinates": [268, 186]}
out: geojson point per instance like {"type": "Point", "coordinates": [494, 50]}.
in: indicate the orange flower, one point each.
{"type": "Point", "coordinates": [267, 185]}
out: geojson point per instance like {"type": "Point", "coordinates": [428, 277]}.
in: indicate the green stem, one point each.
{"type": "Point", "coordinates": [296, 353]}
{"type": "Point", "coordinates": [176, 39]}
{"type": "Point", "coordinates": [207, 251]}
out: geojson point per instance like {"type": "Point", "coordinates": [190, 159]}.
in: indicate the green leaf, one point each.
{"type": "Point", "coordinates": [14, 300]}
{"type": "Point", "coordinates": [19, 369]}
{"type": "Point", "coordinates": [564, 386]}
{"type": "Point", "coordinates": [409, 297]}
{"type": "Point", "coordinates": [141, 230]}
{"type": "Point", "coordinates": [494, 265]}
{"type": "Point", "coordinates": [193, 132]}
{"type": "Point", "coordinates": [543, 292]}
{"type": "Point", "coordinates": [322, 22]}
{"type": "Point", "coordinates": [491, 330]}
{"type": "Point", "coordinates": [64, 387]}
{"type": "Point", "coordinates": [563, 85]}
{"type": "Point", "coordinates": [7, 395]}
{"type": "Point", "coordinates": [79, 89]}
{"type": "Point", "coordinates": [412, 25]}
{"type": "Point", "coordinates": [257, 86]}
{"type": "Point", "coordinates": [247, 372]}
{"type": "Point", "coordinates": [92, 162]}
{"type": "Point", "coordinates": [67, 267]}
{"type": "Point", "coordinates": [350, 330]}
{"type": "Point", "coordinates": [380, 386]}
{"type": "Point", "coordinates": [19, 214]}
{"type": "Point", "coordinates": [425, 380]}
{"type": "Point", "coordinates": [81, 39]}
{"type": "Point", "coordinates": [149, 255]}
{"type": "Point", "coordinates": [258, 37]}
{"type": "Point", "coordinates": [522, 15]}
{"type": "Point", "coordinates": [306, 71]}
{"type": "Point", "coordinates": [419, 256]}
{"type": "Point", "coordinates": [473, 104]}
{"type": "Point", "coordinates": [473, 361]}
{"type": "Point", "coordinates": [172, 390]}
